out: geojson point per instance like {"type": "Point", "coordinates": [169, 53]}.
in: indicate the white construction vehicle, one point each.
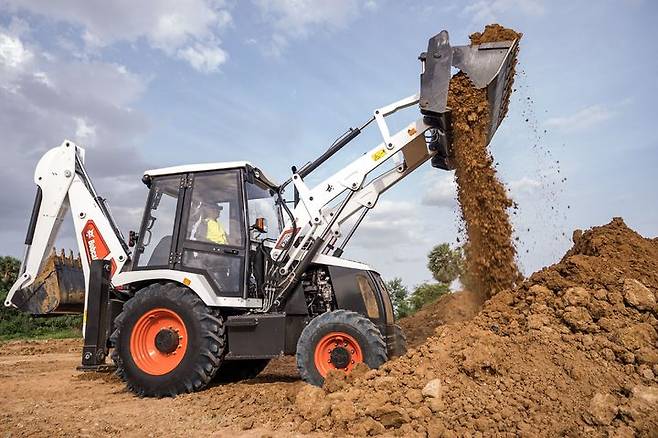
{"type": "Point", "coordinates": [224, 275]}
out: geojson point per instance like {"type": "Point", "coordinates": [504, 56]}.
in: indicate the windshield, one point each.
{"type": "Point", "coordinates": [262, 202]}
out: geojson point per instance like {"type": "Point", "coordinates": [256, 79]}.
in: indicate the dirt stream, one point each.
{"type": "Point", "coordinates": [483, 200]}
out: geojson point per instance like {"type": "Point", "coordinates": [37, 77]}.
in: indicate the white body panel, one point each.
{"type": "Point", "coordinates": [323, 259]}
{"type": "Point", "coordinates": [196, 282]}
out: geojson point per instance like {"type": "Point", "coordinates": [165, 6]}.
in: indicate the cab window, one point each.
{"type": "Point", "coordinates": [215, 213]}
{"type": "Point", "coordinates": [261, 203]}
{"type": "Point", "coordinates": [155, 239]}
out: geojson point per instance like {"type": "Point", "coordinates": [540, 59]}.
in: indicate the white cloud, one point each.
{"type": "Point", "coordinates": [299, 18]}
{"type": "Point", "coordinates": [491, 11]}
{"type": "Point", "coordinates": [583, 119]}
{"type": "Point", "coordinates": [84, 131]}
{"type": "Point", "coordinates": [440, 189]}
{"type": "Point", "coordinates": [12, 52]}
{"type": "Point", "coordinates": [525, 185]}
{"type": "Point", "coordinates": [390, 224]}
{"type": "Point", "coordinates": [172, 26]}
{"type": "Point", "coordinates": [50, 98]}
{"type": "Point", "coordinates": [204, 59]}
{"type": "Point", "coordinates": [371, 5]}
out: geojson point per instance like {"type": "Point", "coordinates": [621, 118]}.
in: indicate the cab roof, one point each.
{"type": "Point", "coordinates": [203, 167]}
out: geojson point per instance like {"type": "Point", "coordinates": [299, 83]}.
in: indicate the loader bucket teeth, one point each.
{"type": "Point", "coordinates": [59, 288]}
{"type": "Point", "coordinates": [489, 65]}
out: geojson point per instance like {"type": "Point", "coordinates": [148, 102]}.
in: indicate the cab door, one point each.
{"type": "Point", "coordinates": [212, 238]}
{"type": "Point", "coordinates": [156, 246]}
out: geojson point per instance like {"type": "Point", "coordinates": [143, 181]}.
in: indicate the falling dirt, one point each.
{"type": "Point", "coordinates": [489, 250]}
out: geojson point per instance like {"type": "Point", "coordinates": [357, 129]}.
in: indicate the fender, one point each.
{"type": "Point", "coordinates": [196, 282]}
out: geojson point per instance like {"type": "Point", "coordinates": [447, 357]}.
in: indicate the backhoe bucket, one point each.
{"type": "Point", "coordinates": [489, 65]}
{"type": "Point", "coordinates": [58, 289]}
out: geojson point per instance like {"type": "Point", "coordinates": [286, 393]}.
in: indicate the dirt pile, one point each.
{"type": "Point", "coordinates": [572, 351]}
{"type": "Point", "coordinates": [490, 253]}
{"type": "Point", "coordinates": [449, 309]}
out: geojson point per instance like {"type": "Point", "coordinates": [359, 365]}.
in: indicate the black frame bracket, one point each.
{"type": "Point", "coordinates": [98, 318]}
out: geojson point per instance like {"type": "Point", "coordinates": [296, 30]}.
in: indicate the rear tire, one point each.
{"type": "Point", "coordinates": [338, 340]}
{"type": "Point", "coordinates": [167, 341]}
{"type": "Point", "coordinates": [236, 370]}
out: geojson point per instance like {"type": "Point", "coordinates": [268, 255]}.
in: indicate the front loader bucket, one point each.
{"type": "Point", "coordinates": [59, 288]}
{"type": "Point", "coordinates": [489, 65]}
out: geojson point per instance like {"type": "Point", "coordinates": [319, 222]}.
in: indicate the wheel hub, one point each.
{"type": "Point", "coordinates": [158, 341]}
{"type": "Point", "coordinates": [337, 351]}
{"type": "Point", "coordinates": [340, 357]}
{"type": "Point", "coordinates": [166, 341]}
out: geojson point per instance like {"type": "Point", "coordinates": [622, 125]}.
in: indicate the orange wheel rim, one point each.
{"type": "Point", "coordinates": [158, 341]}
{"type": "Point", "coordinates": [337, 351]}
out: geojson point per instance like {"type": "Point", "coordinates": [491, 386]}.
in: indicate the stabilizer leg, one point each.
{"type": "Point", "coordinates": [98, 318]}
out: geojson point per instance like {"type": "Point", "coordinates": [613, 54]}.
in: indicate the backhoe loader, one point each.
{"type": "Point", "coordinates": [227, 272]}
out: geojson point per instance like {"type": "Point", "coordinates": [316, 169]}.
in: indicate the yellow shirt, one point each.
{"type": "Point", "coordinates": [216, 232]}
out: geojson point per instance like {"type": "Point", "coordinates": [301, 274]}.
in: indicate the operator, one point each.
{"type": "Point", "coordinates": [211, 228]}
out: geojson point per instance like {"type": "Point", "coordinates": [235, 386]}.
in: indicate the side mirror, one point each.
{"type": "Point", "coordinates": [260, 225]}
{"type": "Point", "coordinates": [132, 238]}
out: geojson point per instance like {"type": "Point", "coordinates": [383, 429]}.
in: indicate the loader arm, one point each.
{"type": "Point", "coordinates": [315, 224]}
{"type": "Point", "coordinates": [62, 185]}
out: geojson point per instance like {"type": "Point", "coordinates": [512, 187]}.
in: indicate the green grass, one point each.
{"type": "Point", "coordinates": [16, 325]}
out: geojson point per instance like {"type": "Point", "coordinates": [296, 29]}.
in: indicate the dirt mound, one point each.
{"type": "Point", "coordinates": [490, 253]}
{"type": "Point", "coordinates": [448, 309]}
{"type": "Point", "coordinates": [572, 351]}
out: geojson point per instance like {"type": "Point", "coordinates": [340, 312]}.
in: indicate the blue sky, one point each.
{"type": "Point", "coordinates": [156, 83]}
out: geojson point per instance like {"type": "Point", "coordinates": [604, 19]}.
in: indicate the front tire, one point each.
{"type": "Point", "coordinates": [167, 341]}
{"type": "Point", "coordinates": [338, 340]}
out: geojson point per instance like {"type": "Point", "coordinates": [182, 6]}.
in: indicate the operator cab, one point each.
{"type": "Point", "coordinates": [215, 219]}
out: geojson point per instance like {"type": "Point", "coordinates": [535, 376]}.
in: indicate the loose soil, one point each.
{"type": "Point", "coordinates": [42, 394]}
{"type": "Point", "coordinates": [483, 200]}
{"type": "Point", "coordinates": [448, 309]}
